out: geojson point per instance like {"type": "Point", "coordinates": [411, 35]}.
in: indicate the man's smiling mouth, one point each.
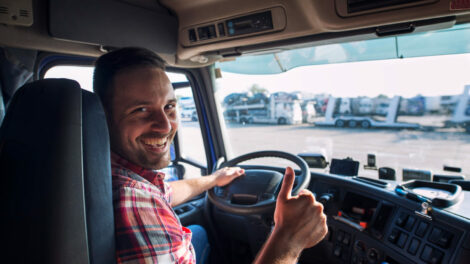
{"type": "Point", "coordinates": [155, 142]}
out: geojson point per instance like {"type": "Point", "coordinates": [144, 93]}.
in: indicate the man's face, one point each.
{"type": "Point", "coordinates": [143, 119]}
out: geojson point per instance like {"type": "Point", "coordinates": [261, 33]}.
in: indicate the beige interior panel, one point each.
{"type": "Point", "coordinates": [304, 18]}
{"type": "Point", "coordinates": [37, 36]}
{"type": "Point", "coordinates": [299, 18]}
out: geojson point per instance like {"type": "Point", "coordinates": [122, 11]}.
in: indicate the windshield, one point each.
{"type": "Point", "coordinates": [408, 110]}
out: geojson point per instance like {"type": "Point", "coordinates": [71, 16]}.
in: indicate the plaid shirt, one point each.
{"type": "Point", "coordinates": [147, 228]}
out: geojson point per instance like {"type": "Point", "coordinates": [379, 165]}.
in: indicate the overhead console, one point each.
{"type": "Point", "coordinates": [258, 22]}
{"type": "Point", "coordinates": [210, 29]}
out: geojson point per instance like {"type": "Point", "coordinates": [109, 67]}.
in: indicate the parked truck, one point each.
{"type": "Point", "coordinates": [278, 108]}
{"type": "Point", "coordinates": [461, 115]}
{"type": "Point", "coordinates": [187, 109]}
{"type": "Point", "coordinates": [351, 120]}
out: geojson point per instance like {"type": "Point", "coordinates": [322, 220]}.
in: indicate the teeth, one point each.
{"type": "Point", "coordinates": [154, 141]}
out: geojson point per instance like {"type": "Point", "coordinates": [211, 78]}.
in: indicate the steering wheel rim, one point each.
{"type": "Point", "coordinates": [264, 205]}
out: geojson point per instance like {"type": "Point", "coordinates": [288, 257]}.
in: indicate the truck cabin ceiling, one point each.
{"type": "Point", "coordinates": [198, 33]}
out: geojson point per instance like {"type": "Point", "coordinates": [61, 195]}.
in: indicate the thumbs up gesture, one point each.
{"type": "Point", "coordinates": [299, 223]}
{"type": "Point", "coordinates": [300, 216]}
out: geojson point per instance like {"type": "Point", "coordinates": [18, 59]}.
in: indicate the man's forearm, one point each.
{"type": "Point", "coordinates": [278, 250]}
{"type": "Point", "coordinates": [184, 190]}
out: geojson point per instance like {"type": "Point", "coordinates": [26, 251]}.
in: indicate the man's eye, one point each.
{"type": "Point", "coordinates": [140, 109]}
{"type": "Point", "coordinates": [170, 106]}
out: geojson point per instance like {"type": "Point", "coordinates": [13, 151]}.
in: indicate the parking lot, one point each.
{"type": "Point", "coordinates": [429, 150]}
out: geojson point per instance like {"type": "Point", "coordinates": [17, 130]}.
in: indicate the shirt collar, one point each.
{"type": "Point", "coordinates": [150, 175]}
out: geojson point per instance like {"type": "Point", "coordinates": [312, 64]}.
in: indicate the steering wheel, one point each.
{"type": "Point", "coordinates": [256, 191]}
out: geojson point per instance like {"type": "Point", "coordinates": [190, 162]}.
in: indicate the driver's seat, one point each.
{"type": "Point", "coordinates": [56, 176]}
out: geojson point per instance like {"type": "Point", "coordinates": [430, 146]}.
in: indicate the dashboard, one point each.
{"type": "Point", "coordinates": [371, 224]}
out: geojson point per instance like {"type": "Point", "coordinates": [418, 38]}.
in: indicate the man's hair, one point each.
{"type": "Point", "coordinates": [117, 61]}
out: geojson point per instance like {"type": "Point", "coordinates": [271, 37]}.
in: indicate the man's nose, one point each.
{"type": "Point", "coordinates": [160, 122]}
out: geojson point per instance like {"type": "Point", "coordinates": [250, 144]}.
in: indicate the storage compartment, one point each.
{"type": "Point", "coordinates": [440, 194]}
{"type": "Point", "coordinates": [347, 8]}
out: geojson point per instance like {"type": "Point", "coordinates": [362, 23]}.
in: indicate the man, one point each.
{"type": "Point", "coordinates": [141, 111]}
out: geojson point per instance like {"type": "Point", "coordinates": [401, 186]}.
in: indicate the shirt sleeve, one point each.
{"type": "Point", "coordinates": [147, 230]}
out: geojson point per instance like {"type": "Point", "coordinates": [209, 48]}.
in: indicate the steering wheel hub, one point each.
{"type": "Point", "coordinates": [256, 191]}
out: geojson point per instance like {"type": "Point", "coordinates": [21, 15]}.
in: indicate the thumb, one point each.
{"type": "Point", "coordinates": [287, 183]}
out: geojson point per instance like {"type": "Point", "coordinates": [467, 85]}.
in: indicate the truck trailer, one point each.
{"type": "Point", "coordinates": [275, 109]}
{"type": "Point", "coordinates": [461, 115]}
{"type": "Point", "coordinates": [343, 120]}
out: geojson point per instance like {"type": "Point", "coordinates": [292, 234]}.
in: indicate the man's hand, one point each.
{"type": "Point", "coordinates": [299, 224]}
{"type": "Point", "coordinates": [226, 175]}
{"type": "Point", "coordinates": [300, 217]}
{"type": "Point", "coordinates": [184, 190]}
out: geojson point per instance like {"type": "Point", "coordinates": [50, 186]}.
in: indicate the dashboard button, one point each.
{"type": "Point", "coordinates": [410, 223]}
{"type": "Point", "coordinates": [426, 254]}
{"type": "Point", "coordinates": [360, 246]}
{"type": "Point", "coordinates": [445, 239]}
{"type": "Point", "coordinates": [340, 236]}
{"type": "Point", "coordinates": [436, 256]}
{"type": "Point", "coordinates": [422, 228]}
{"type": "Point", "coordinates": [435, 235]}
{"type": "Point", "coordinates": [440, 237]}
{"type": "Point", "coordinates": [346, 239]}
{"type": "Point", "coordinates": [402, 240]}
{"type": "Point", "coordinates": [373, 255]}
{"type": "Point", "coordinates": [414, 245]}
{"type": "Point", "coordinates": [337, 251]}
{"type": "Point", "coordinates": [401, 220]}
{"type": "Point", "coordinates": [394, 236]}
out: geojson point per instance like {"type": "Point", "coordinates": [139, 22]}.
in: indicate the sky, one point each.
{"type": "Point", "coordinates": [428, 76]}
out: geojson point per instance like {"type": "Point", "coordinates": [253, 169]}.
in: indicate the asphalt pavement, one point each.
{"type": "Point", "coordinates": [398, 149]}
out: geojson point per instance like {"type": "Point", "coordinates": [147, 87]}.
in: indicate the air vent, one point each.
{"type": "Point", "coordinates": [3, 10]}
{"type": "Point", "coordinates": [355, 6]}
{"type": "Point", "coordinates": [24, 13]}
{"type": "Point", "coordinates": [16, 13]}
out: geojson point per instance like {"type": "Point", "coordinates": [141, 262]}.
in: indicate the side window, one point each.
{"type": "Point", "coordinates": [191, 145]}
{"type": "Point", "coordinates": [189, 132]}
{"type": "Point", "coordinates": [82, 74]}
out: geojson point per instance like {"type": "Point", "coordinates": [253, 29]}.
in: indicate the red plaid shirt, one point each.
{"type": "Point", "coordinates": [147, 228]}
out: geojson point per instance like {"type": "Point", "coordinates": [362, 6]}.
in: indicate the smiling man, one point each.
{"type": "Point", "coordinates": [140, 106]}
{"type": "Point", "coordinates": [144, 118]}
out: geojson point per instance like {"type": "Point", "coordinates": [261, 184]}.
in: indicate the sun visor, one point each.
{"type": "Point", "coordinates": [114, 23]}
{"type": "Point", "coordinates": [445, 41]}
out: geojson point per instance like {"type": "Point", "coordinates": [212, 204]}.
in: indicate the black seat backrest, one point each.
{"type": "Point", "coordinates": [56, 173]}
